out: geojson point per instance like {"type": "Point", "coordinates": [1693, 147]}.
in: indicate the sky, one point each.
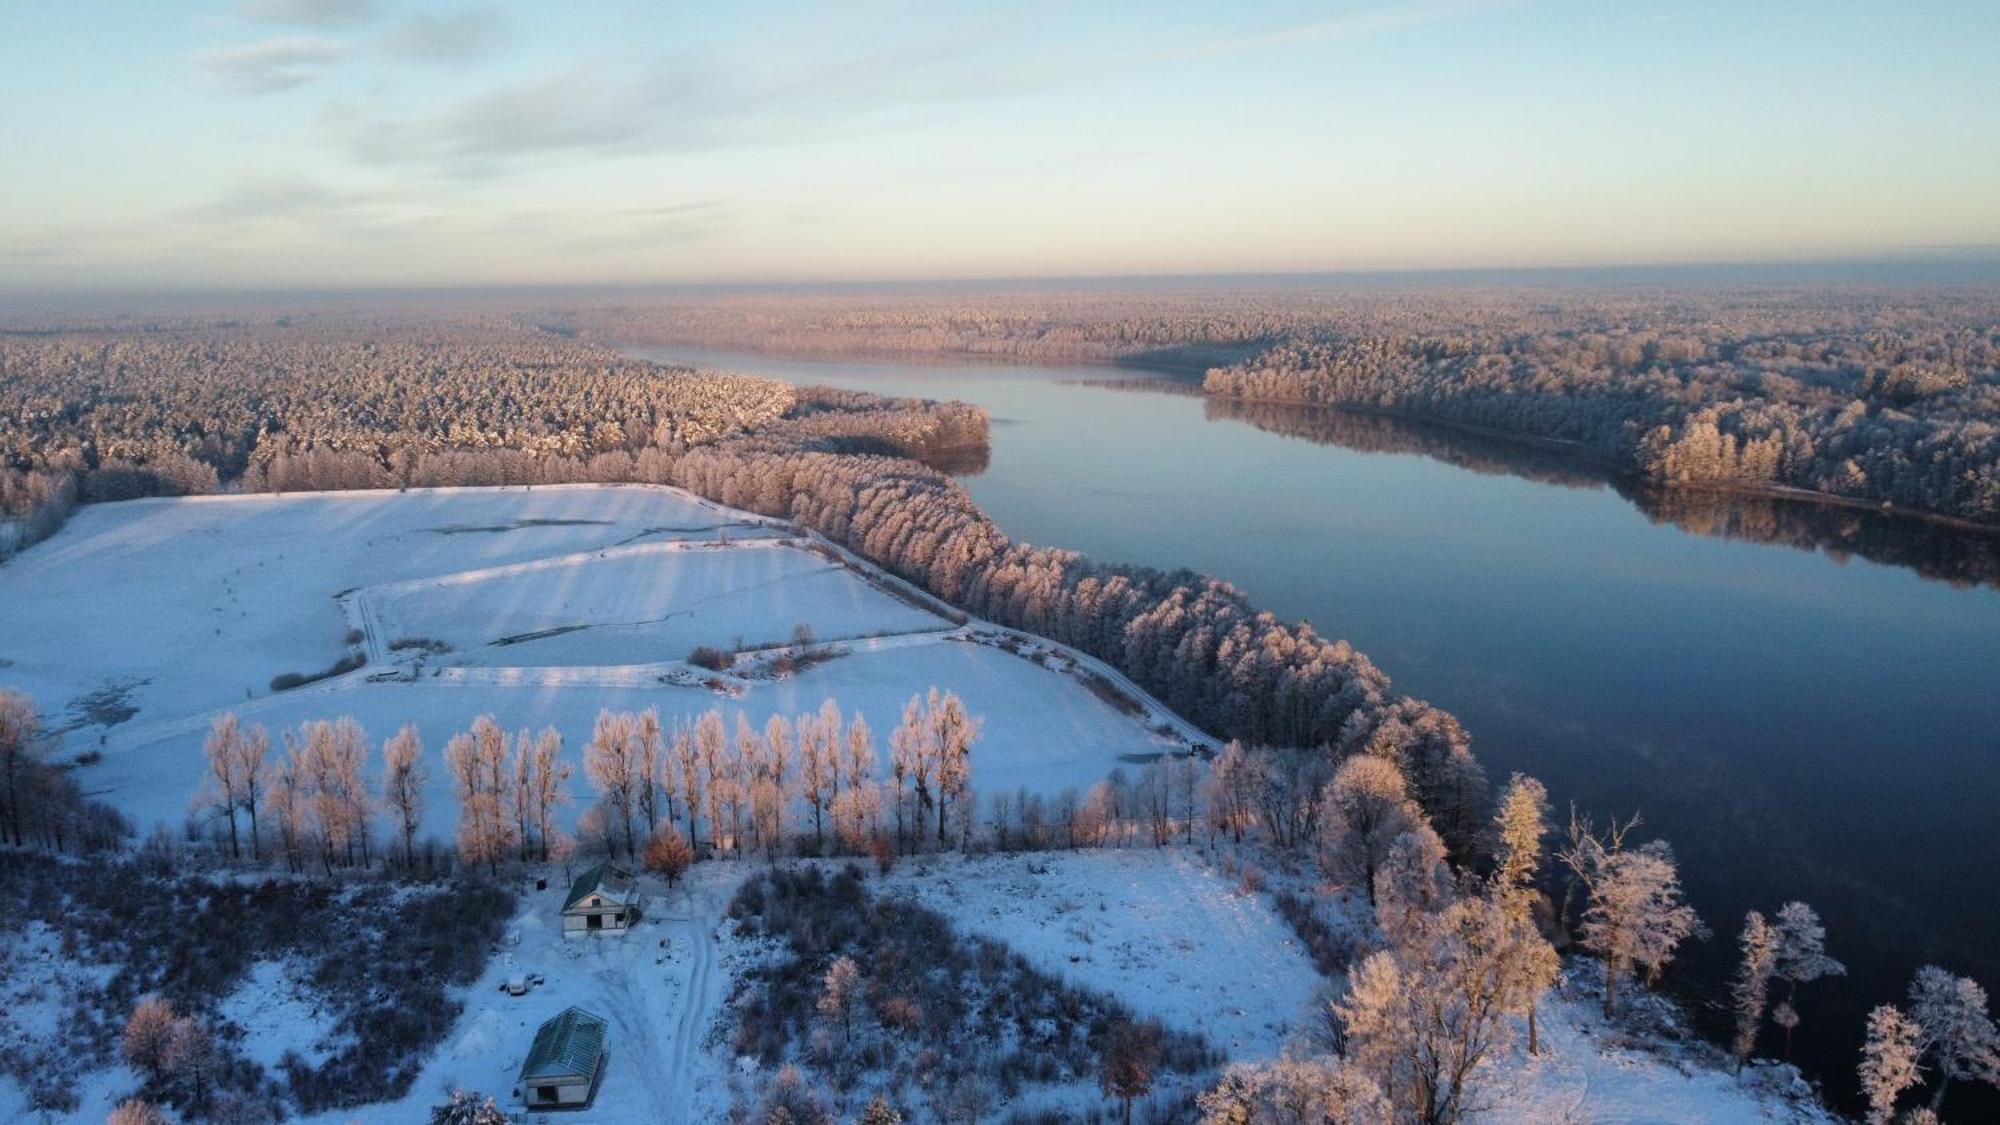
{"type": "Point", "coordinates": [333, 143]}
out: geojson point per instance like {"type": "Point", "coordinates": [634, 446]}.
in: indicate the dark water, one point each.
{"type": "Point", "coordinates": [1789, 694]}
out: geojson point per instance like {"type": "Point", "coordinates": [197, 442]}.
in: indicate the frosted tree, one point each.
{"type": "Point", "coordinates": [331, 755]}
{"type": "Point", "coordinates": [1750, 987]}
{"type": "Point", "coordinates": [1801, 957]}
{"type": "Point", "coordinates": [819, 764]}
{"type": "Point", "coordinates": [721, 767]}
{"type": "Point", "coordinates": [550, 776]}
{"type": "Point", "coordinates": [222, 792]}
{"type": "Point", "coordinates": [953, 733]}
{"type": "Point", "coordinates": [483, 785]}
{"type": "Point", "coordinates": [1421, 1018]}
{"type": "Point", "coordinates": [1635, 917]}
{"type": "Point", "coordinates": [668, 853]}
{"type": "Point", "coordinates": [857, 812]}
{"type": "Point", "coordinates": [133, 1111]}
{"type": "Point", "coordinates": [611, 763]}
{"type": "Point", "coordinates": [253, 749]}
{"type": "Point", "coordinates": [1412, 885]}
{"type": "Point", "coordinates": [1231, 782]}
{"type": "Point", "coordinates": [148, 1032]}
{"type": "Point", "coordinates": [289, 805]}
{"type": "Point", "coordinates": [191, 1057]}
{"type": "Point", "coordinates": [770, 763]}
{"type": "Point", "coordinates": [840, 995]}
{"type": "Point", "coordinates": [878, 1111]}
{"type": "Point", "coordinates": [1518, 830]}
{"type": "Point", "coordinates": [654, 782]}
{"type": "Point", "coordinates": [687, 764]}
{"type": "Point", "coordinates": [910, 758]}
{"type": "Point", "coordinates": [403, 778]}
{"type": "Point", "coordinates": [1294, 1091]}
{"type": "Point", "coordinates": [1888, 1061]}
{"type": "Point", "coordinates": [1367, 810]}
{"type": "Point", "coordinates": [1957, 1036]}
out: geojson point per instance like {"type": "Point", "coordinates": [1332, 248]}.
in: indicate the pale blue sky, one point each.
{"type": "Point", "coordinates": [348, 142]}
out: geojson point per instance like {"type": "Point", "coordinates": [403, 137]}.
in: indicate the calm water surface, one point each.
{"type": "Point", "coordinates": [1799, 725]}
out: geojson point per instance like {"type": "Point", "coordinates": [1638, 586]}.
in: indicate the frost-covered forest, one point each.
{"type": "Point", "coordinates": [1869, 396]}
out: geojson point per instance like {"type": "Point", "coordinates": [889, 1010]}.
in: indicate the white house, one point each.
{"type": "Point", "coordinates": [603, 900]}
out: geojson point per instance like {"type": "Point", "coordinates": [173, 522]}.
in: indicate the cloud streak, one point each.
{"type": "Point", "coordinates": [449, 37]}
{"type": "Point", "coordinates": [308, 13]}
{"type": "Point", "coordinates": [272, 65]}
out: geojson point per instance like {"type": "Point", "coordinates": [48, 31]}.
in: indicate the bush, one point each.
{"type": "Point", "coordinates": [713, 659]}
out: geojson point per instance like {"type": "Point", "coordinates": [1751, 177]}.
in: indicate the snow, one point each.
{"type": "Point", "coordinates": [647, 602]}
{"type": "Point", "coordinates": [215, 595]}
{"type": "Point", "coordinates": [1160, 930]}
{"type": "Point", "coordinates": [194, 604]}
{"type": "Point", "coordinates": [1590, 1072]}
{"type": "Point", "coordinates": [659, 986]}
{"type": "Point", "coordinates": [276, 1014]}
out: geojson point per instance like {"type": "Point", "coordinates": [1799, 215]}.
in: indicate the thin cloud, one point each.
{"type": "Point", "coordinates": [271, 65]}
{"type": "Point", "coordinates": [449, 37]}
{"type": "Point", "coordinates": [1352, 25]}
{"type": "Point", "coordinates": [308, 13]}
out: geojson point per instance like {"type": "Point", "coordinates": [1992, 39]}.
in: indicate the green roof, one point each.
{"type": "Point", "coordinates": [570, 1045]}
{"type": "Point", "coordinates": [613, 881]}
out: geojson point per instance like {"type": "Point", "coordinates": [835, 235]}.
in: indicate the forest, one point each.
{"type": "Point", "coordinates": [1881, 397]}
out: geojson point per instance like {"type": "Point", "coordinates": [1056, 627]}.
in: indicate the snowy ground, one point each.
{"type": "Point", "coordinates": [1590, 1072]}
{"type": "Point", "coordinates": [659, 986]}
{"type": "Point", "coordinates": [1160, 930]}
{"type": "Point", "coordinates": [142, 620]}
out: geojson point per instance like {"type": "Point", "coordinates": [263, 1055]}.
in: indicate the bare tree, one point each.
{"type": "Point", "coordinates": [20, 740]}
{"type": "Point", "coordinates": [1127, 1062]}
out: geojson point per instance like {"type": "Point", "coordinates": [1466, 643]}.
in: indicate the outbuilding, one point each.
{"type": "Point", "coordinates": [566, 1062]}
{"type": "Point", "coordinates": [603, 900]}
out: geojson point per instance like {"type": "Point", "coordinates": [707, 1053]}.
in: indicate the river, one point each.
{"type": "Point", "coordinates": [1790, 695]}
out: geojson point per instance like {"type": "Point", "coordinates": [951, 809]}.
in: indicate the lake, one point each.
{"type": "Point", "coordinates": [1791, 695]}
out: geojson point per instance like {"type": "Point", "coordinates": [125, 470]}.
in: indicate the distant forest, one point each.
{"type": "Point", "coordinates": [1868, 396]}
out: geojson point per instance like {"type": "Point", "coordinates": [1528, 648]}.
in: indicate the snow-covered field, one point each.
{"type": "Point", "coordinates": [1160, 930]}
{"type": "Point", "coordinates": [142, 620]}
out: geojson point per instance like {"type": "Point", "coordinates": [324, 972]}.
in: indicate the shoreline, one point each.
{"type": "Point", "coordinates": [1582, 452]}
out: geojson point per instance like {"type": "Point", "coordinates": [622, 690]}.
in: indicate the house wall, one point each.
{"type": "Point", "coordinates": [614, 923]}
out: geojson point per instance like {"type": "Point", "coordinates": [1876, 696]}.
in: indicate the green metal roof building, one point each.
{"type": "Point", "coordinates": [564, 1065]}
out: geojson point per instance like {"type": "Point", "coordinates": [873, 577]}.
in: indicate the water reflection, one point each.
{"type": "Point", "coordinates": [1935, 551]}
